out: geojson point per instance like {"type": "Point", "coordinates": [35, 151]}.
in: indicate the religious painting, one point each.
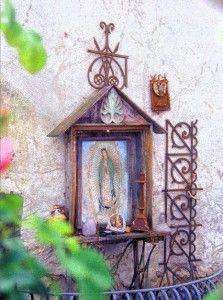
{"type": "Point", "coordinates": [104, 182]}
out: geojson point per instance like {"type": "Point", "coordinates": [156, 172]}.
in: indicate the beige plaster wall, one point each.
{"type": "Point", "coordinates": [176, 37]}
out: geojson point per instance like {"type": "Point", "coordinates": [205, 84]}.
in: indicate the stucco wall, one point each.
{"type": "Point", "coordinates": [179, 38]}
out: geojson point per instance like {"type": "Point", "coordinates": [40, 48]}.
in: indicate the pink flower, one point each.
{"type": "Point", "coordinates": [6, 153]}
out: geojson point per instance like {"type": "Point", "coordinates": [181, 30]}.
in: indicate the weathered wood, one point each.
{"type": "Point", "coordinates": [78, 113]}
{"type": "Point", "coordinates": [140, 222]}
{"type": "Point", "coordinates": [150, 236]}
{"type": "Point", "coordinates": [73, 188]}
{"type": "Point", "coordinates": [159, 94]}
{"type": "Point", "coordinates": [110, 128]}
{"type": "Point", "coordinates": [89, 102]}
{"type": "Point", "coordinates": [156, 127]}
{"type": "Point", "coordinates": [147, 145]}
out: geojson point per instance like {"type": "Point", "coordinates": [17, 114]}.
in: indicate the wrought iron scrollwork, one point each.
{"type": "Point", "coordinates": [109, 68]}
{"type": "Point", "coordinates": [180, 202]}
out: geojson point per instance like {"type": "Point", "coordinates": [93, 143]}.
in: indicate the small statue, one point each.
{"type": "Point", "coordinates": [58, 213]}
{"type": "Point", "coordinates": [116, 223]}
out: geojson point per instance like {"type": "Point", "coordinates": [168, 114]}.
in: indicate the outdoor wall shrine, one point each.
{"type": "Point", "coordinates": [110, 148]}
{"type": "Point", "coordinates": [109, 143]}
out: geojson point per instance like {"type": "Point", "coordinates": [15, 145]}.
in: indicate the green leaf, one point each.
{"type": "Point", "coordinates": [55, 288]}
{"type": "Point", "coordinates": [45, 235]}
{"type": "Point", "coordinates": [72, 244]}
{"type": "Point", "coordinates": [89, 291]}
{"type": "Point", "coordinates": [50, 233]}
{"type": "Point", "coordinates": [97, 267]}
{"type": "Point", "coordinates": [19, 268]}
{"type": "Point", "coordinates": [75, 268]}
{"type": "Point", "coordinates": [7, 15]}
{"type": "Point", "coordinates": [10, 208]}
{"type": "Point", "coordinates": [61, 227]}
{"type": "Point", "coordinates": [86, 265]}
{"type": "Point", "coordinates": [13, 34]}
{"type": "Point", "coordinates": [32, 54]}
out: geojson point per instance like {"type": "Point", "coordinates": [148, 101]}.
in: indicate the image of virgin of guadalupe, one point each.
{"type": "Point", "coordinates": [106, 172]}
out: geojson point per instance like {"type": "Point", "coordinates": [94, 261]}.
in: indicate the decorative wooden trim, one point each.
{"type": "Point", "coordinates": [147, 147]}
{"type": "Point", "coordinates": [73, 118]}
{"type": "Point", "coordinates": [73, 189]}
{"type": "Point", "coordinates": [112, 128]}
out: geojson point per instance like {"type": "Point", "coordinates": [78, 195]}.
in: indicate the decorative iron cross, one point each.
{"type": "Point", "coordinates": [109, 68]}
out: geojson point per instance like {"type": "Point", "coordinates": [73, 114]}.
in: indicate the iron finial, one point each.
{"type": "Point", "coordinates": [109, 67]}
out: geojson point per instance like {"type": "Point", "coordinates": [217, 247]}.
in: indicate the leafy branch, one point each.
{"type": "Point", "coordinates": [20, 270]}
{"type": "Point", "coordinates": [86, 266]}
{"type": "Point", "coordinates": [31, 53]}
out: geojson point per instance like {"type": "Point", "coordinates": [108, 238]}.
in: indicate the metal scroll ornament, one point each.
{"type": "Point", "coordinates": [180, 202]}
{"type": "Point", "coordinates": [109, 67]}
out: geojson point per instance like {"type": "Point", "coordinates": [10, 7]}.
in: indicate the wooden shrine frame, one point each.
{"type": "Point", "coordinates": [86, 121]}
{"type": "Point", "coordinates": [78, 131]}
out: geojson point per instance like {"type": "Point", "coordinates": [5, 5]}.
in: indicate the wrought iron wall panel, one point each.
{"type": "Point", "coordinates": [180, 202]}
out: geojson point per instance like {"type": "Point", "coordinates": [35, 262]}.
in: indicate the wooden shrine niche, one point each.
{"type": "Point", "coordinates": [110, 146]}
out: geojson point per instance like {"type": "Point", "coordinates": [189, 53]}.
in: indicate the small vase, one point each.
{"type": "Point", "coordinates": [89, 227]}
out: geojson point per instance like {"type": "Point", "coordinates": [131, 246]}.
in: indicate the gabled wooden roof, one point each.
{"type": "Point", "coordinates": [91, 101]}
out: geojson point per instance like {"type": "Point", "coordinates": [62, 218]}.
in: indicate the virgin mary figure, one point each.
{"type": "Point", "coordinates": [106, 174]}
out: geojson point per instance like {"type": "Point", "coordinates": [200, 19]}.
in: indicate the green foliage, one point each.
{"type": "Point", "coordinates": [19, 270]}
{"type": "Point", "coordinates": [216, 295]}
{"type": "Point", "coordinates": [28, 43]}
{"type": "Point", "coordinates": [86, 266]}
{"type": "Point", "coordinates": [10, 210]}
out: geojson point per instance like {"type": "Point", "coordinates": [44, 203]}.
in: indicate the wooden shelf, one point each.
{"type": "Point", "coordinates": [151, 237]}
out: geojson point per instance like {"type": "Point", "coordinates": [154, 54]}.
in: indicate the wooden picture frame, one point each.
{"type": "Point", "coordinates": [139, 160]}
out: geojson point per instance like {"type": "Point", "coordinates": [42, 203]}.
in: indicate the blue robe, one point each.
{"type": "Point", "coordinates": [111, 172]}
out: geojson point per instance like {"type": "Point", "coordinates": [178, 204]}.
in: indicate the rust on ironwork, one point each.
{"type": "Point", "coordinates": [180, 202]}
{"type": "Point", "coordinates": [109, 67]}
